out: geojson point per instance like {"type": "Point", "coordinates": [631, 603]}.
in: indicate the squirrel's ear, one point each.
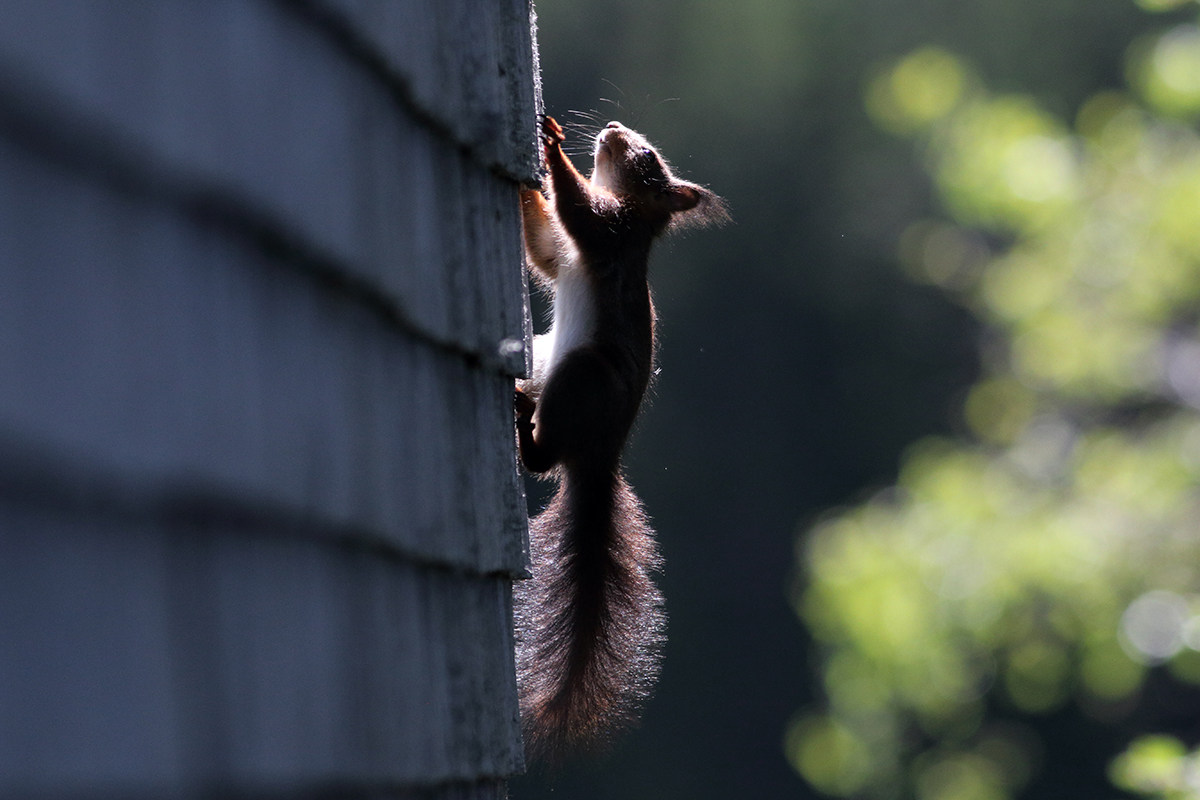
{"type": "Point", "coordinates": [693, 205]}
{"type": "Point", "coordinates": [683, 197]}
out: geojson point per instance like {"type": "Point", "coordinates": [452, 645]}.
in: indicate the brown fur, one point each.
{"type": "Point", "coordinates": [590, 622]}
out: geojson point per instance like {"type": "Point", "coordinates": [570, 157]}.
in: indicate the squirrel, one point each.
{"type": "Point", "coordinates": [590, 622]}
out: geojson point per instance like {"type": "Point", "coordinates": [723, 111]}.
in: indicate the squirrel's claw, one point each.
{"type": "Point", "coordinates": [552, 132]}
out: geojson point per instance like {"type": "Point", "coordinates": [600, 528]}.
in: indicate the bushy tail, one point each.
{"type": "Point", "coordinates": [590, 623]}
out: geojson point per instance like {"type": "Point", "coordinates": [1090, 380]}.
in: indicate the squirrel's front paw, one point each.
{"type": "Point", "coordinates": [525, 406]}
{"type": "Point", "coordinates": [552, 132]}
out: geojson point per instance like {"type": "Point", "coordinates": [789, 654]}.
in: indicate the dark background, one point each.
{"type": "Point", "coordinates": [797, 360]}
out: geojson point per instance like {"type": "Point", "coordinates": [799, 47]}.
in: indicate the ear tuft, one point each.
{"type": "Point", "coordinates": [693, 206]}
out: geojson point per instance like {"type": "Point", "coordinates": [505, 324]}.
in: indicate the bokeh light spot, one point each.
{"type": "Point", "coordinates": [1153, 626]}
{"type": "Point", "coordinates": [1040, 168]}
{"type": "Point", "coordinates": [828, 755]}
{"type": "Point", "coordinates": [1151, 764]}
{"type": "Point", "coordinates": [921, 89]}
{"type": "Point", "coordinates": [998, 409]}
{"type": "Point", "coordinates": [963, 777]}
{"type": "Point", "coordinates": [1160, 5]}
{"type": "Point", "coordinates": [1168, 72]}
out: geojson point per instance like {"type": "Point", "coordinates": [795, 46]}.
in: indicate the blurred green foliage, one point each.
{"type": "Point", "coordinates": [1158, 766]}
{"type": "Point", "coordinates": [1048, 560]}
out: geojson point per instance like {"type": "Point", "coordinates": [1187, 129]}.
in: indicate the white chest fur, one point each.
{"type": "Point", "coordinates": [574, 312]}
{"type": "Point", "coordinates": [574, 319]}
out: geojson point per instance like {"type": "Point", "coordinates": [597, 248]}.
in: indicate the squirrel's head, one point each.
{"type": "Point", "coordinates": [627, 165]}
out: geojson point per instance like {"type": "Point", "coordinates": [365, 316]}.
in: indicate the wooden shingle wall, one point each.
{"type": "Point", "coordinates": [261, 307]}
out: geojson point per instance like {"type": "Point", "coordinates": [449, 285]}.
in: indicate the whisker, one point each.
{"type": "Point", "coordinates": [586, 134]}
{"type": "Point", "coordinates": [590, 114]}
{"type": "Point", "coordinates": [621, 111]}
{"type": "Point", "coordinates": [649, 108]}
{"type": "Point", "coordinates": [618, 88]}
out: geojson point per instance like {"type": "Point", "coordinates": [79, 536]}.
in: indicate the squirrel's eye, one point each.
{"type": "Point", "coordinates": [647, 152]}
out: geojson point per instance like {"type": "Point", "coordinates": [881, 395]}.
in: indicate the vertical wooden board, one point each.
{"type": "Point", "coordinates": [281, 639]}
{"type": "Point", "coordinates": [398, 676]}
{"type": "Point", "coordinates": [481, 671]}
{"type": "Point", "coordinates": [87, 700]}
{"type": "Point", "coordinates": [279, 645]}
{"type": "Point", "coordinates": [471, 65]}
{"type": "Point", "coordinates": [463, 219]}
{"type": "Point", "coordinates": [468, 58]}
{"type": "Point", "coordinates": [400, 217]}
{"type": "Point", "coordinates": [489, 489]}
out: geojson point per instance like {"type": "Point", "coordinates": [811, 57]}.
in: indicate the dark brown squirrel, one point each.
{"type": "Point", "coordinates": [590, 622]}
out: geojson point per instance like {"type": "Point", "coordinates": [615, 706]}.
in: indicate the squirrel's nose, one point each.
{"type": "Point", "coordinates": [613, 124]}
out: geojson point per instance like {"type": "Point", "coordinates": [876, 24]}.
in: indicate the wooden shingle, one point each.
{"type": "Point", "coordinates": [261, 307]}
